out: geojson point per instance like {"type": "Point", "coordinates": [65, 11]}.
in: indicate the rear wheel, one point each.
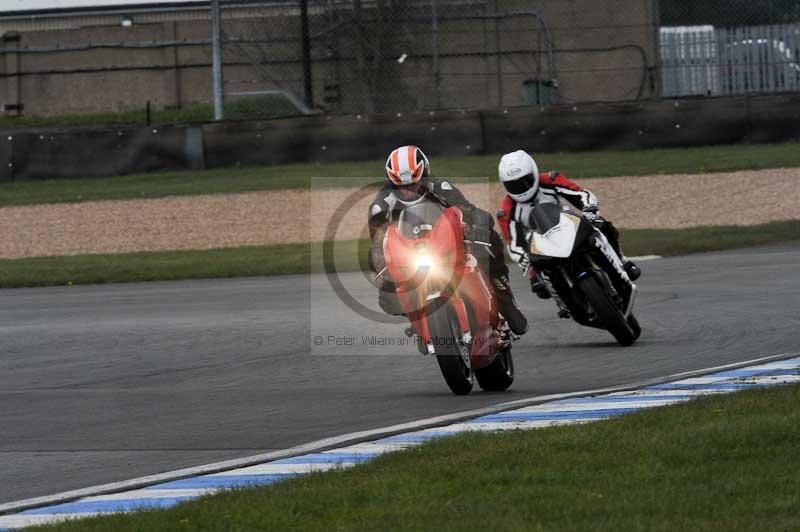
{"type": "Point", "coordinates": [609, 314]}
{"type": "Point", "coordinates": [451, 354]}
{"type": "Point", "coordinates": [498, 375]}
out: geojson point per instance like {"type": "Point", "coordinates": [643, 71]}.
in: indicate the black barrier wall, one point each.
{"type": "Point", "coordinates": [347, 138]}
{"type": "Point", "coordinates": [96, 152]}
{"type": "Point", "coordinates": [50, 154]}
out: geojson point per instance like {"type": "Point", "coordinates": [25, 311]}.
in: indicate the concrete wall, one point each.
{"type": "Point", "coordinates": [478, 66]}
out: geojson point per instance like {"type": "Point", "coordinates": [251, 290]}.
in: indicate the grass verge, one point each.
{"type": "Point", "coordinates": [298, 258]}
{"type": "Point", "coordinates": [717, 463]}
{"type": "Point", "coordinates": [579, 165]}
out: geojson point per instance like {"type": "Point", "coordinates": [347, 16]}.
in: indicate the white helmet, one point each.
{"type": "Point", "coordinates": [519, 174]}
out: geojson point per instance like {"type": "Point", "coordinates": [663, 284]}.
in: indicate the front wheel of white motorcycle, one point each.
{"type": "Point", "coordinates": [607, 312]}
{"type": "Point", "coordinates": [633, 323]}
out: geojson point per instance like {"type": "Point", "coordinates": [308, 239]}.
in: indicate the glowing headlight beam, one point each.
{"type": "Point", "coordinates": [424, 262]}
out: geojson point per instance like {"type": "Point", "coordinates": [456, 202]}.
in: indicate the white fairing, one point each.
{"type": "Point", "coordinates": [558, 241]}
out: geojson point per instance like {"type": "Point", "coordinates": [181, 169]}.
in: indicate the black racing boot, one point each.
{"type": "Point", "coordinates": [633, 271]}
{"type": "Point", "coordinates": [539, 288]}
{"type": "Point", "coordinates": [516, 320]}
{"type": "Point", "coordinates": [537, 285]}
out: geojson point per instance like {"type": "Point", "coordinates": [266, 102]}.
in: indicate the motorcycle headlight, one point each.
{"type": "Point", "coordinates": [425, 261]}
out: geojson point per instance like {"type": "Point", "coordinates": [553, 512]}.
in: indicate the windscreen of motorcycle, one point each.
{"type": "Point", "coordinates": [416, 220]}
{"type": "Point", "coordinates": [545, 215]}
{"type": "Point", "coordinates": [555, 230]}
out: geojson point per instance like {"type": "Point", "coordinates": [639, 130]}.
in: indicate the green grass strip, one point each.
{"type": "Point", "coordinates": [579, 165]}
{"type": "Point", "coordinates": [716, 463]}
{"type": "Point", "coordinates": [305, 258]}
{"type": "Point", "coordinates": [668, 242]}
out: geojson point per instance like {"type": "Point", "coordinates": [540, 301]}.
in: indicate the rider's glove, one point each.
{"type": "Point", "coordinates": [590, 213]}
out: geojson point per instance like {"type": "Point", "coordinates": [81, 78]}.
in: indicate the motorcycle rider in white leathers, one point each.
{"type": "Point", "coordinates": [520, 176]}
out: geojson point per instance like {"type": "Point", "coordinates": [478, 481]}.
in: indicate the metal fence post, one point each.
{"type": "Point", "coordinates": [216, 46]}
{"type": "Point", "coordinates": [498, 55]}
{"type": "Point", "coordinates": [306, 43]}
{"type": "Point", "coordinates": [657, 83]}
{"type": "Point", "coordinates": [437, 78]}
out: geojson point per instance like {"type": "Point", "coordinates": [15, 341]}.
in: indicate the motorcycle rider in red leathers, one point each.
{"type": "Point", "coordinates": [408, 182]}
{"type": "Point", "coordinates": [520, 176]}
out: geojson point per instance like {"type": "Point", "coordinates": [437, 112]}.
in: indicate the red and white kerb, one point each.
{"type": "Point", "coordinates": [405, 166]}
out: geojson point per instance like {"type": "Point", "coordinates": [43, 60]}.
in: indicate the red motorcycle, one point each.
{"type": "Point", "coordinates": [447, 297]}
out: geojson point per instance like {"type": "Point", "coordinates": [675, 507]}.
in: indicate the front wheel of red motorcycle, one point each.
{"type": "Point", "coordinates": [497, 376]}
{"type": "Point", "coordinates": [451, 353]}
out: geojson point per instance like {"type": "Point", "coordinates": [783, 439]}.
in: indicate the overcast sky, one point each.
{"type": "Point", "coordinates": [26, 5]}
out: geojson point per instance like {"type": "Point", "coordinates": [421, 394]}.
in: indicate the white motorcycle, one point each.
{"type": "Point", "coordinates": [580, 269]}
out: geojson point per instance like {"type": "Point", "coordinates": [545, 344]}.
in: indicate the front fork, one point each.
{"type": "Point", "coordinates": [563, 310]}
{"type": "Point", "coordinates": [463, 318]}
{"type": "Point", "coordinates": [602, 243]}
{"type": "Point", "coordinates": [461, 313]}
{"type": "Point", "coordinates": [568, 283]}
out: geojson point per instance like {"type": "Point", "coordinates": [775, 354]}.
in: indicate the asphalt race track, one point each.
{"type": "Point", "coordinates": [107, 383]}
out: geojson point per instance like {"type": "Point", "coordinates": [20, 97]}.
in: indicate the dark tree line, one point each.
{"type": "Point", "coordinates": [728, 13]}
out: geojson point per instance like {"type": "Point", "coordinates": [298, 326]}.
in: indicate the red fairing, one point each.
{"type": "Point", "coordinates": [459, 279]}
{"type": "Point", "coordinates": [445, 243]}
{"type": "Point", "coordinates": [557, 179]}
{"type": "Point", "coordinates": [447, 237]}
{"type": "Point", "coordinates": [507, 206]}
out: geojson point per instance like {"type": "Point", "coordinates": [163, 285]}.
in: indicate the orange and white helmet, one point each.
{"type": "Point", "coordinates": [407, 165]}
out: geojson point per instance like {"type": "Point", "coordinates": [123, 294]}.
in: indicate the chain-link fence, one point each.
{"type": "Point", "coordinates": [360, 56]}
{"type": "Point", "coordinates": [719, 47]}
{"type": "Point", "coordinates": [284, 58]}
